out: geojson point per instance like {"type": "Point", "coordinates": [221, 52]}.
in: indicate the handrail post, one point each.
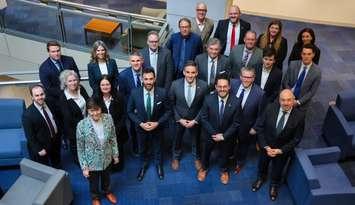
{"type": "Point", "coordinates": [130, 35]}
{"type": "Point", "coordinates": [61, 21]}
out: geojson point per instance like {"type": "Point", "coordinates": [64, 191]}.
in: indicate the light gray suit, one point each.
{"type": "Point", "coordinates": [310, 83]}
{"type": "Point", "coordinates": [236, 58]}
{"type": "Point", "coordinates": [206, 31]}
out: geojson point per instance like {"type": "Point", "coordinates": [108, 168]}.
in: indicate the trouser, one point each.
{"type": "Point", "coordinates": [150, 143]}
{"type": "Point", "coordinates": [193, 132]}
{"type": "Point", "coordinates": [73, 149]}
{"type": "Point", "coordinates": [132, 133]}
{"type": "Point", "coordinates": [94, 182]}
{"type": "Point", "coordinates": [208, 147]}
{"type": "Point", "coordinates": [52, 158]}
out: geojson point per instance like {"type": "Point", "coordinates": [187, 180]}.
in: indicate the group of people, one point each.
{"type": "Point", "coordinates": [227, 93]}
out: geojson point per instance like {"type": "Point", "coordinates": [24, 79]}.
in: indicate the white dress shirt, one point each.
{"type": "Point", "coordinates": [145, 95]}
{"type": "Point", "coordinates": [299, 73]}
{"type": "Point", "coordinates": [193, 90]}
{"type": "Point", "coordinates": [50, 115]}
{"type": "Point", "coordinates": [246, 93]}
{"type": "Point", "coordinates": [229, 35]}
{"type": "Point", "coordinates": [78, 99]}
{"type": "Point", "coordinates": [99, 130]}
{"type": "Point", "coordinates": [264, 76]}
{"type": "Point", "coordinates": [287, 115]}
{"type": "Point", "coordinates": [153, 58]}
{"type": "Point", "coordinates": [103, 68]}
{"type": "Point", "coordinates": [209, 65]}
{"type": "Point", "coordinates": [201, 25]}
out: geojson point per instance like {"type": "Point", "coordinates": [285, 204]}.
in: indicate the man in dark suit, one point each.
{"type": "Point", "coordinates": [148, 107]}
{"type": "Point", "coordinates": [184, 45]}
{"type": "Point", "coordinates": [245, 55]}
{"type": "Point", "coordinates": [186, 105]}
{"type": "Point", "coordinates": [250, 99]}
{"type": "Point", "coordinates": [160, 59]}
{"type": "Point", "coordinates": [129, 79]}
{"type": "Point", "coordinates": [210, 64]}
{"type": "Point", "coordinates": [279, 131]}
{"type": "Point", "coordinates": [41, 130]}
{"type": "Point", "coordinates": [219, 119]}
{"type": "Point", "coordinates": [268, 77]}
{"type": "Point", "coordinates": [231, 31]}
{"type": "Point", "coordinates": [201, 25]}
{"type": "Point", "coordinates": [303, 77]}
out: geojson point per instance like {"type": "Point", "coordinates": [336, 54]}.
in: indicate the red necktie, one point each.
{"type": "Point", "coordinates": [233, 37]}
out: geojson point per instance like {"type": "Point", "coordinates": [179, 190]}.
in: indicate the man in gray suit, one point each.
{"type": "Point", "coordinates": [245, 55]}
{"type": "Point", "coordinates": [202, 25]}
{"type": "Point", "coordinates": [303, 77]}
{"type": "Point", "coordinates": [186, 96]}
{"type": "Point", "coordinates": [211, 63]}
{"type": "Point", "coordinates": [160, 59]}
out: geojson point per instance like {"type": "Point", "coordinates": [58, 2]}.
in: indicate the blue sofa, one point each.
{"type": "Point", "coordinates": [13, 146]}
{"type": "Point", "coordinates": [339, 124]}
{"type": "Point", "coordinates": [315, 178]}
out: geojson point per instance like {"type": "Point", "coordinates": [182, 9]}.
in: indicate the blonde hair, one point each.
{"type": "Point", "coordinates": [64, 76]}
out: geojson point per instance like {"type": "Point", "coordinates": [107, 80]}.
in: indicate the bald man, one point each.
{"type": "Point", "coordinates": [280, 130]}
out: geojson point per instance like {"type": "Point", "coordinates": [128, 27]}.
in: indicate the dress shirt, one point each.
{"type": "Point", "coordinates": [229, 34]}
{"type": "Point", "coordinates": [153, 57]}
{"type": "Point", "coordinates": [103, 68]}
{"type": "Point", "coordinates": [78, 99]}
{"type": "Point", "coordinates": [135, 76]}
{"type": "Point", "coordinates": [99, 130]}
{"type": "Point", "coordinates": [299, 73]}
{"type": "Point", "coordinates": [201, 25]}
{"type": "Point", "coordinates": [287, 115]}
{"type": "Point", "coordinates": [209, 65]}
{"type": "Point", "coordinates": [246, 93]}
{"type": "Point", "coordinates": [264, 76]}
{"type": "Point", "coordinates": [145, 95]}
{"type": "Point", "coordinates": [50, 115]}
{"type": "Point", "coordinates": [107, 102]}
{"type": "Point", "coordinates": [224, 101]}
{"type": "Point", "coordinates": [193, 90]}
{"type": "Point", "coordinates": [55, 63]}
{"type": "Point", "coordinates": [245, 52]}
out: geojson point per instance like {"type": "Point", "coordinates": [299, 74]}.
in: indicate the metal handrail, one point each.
{"type": "Point", "coordinates": [26, 82]}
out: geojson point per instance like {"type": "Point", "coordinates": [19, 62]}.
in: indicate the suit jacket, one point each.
{"type": "Point", "coordinates": [281, 53]}
{"type": "Point", "coordinates": [252, 109]}
{"type": "Point", "coordinates": [165, 67]}
{"type": "Point", "coordinates": [49, 75]}
{"type": "Point", "coordinates": [296, 51]}
{"type": "Point", "coordinates": [310, 83]}
{"type": "Point", "coordinates": [160, 112]}
{"type": "Point", "coordinates": [236, 59]}
{"type": "Point", "coordinates": [178, 100]}
{"type": "Point", "coordinates": [95, 75]}
{"type": "Point", "coordinates": [36, 129]}
{"type": "Point", "coordinates": [291, 134]}
{"type": "Point", "coordinates": [222, 31]}
{"type": "Point", "coordinates": [272, 85]}
{"type": "Point", "coordinates": [91, 153]}
{"type": "Point", "coordinates": [206, 31]}
{"type": "Point", "coordinates": [193, 47]}
{"type": "Point", "coordinates": [210, 121]}
{"type": "Point", "coordinates": [202, 65]}
{"type": "Point", "coordinates": [126, 82]}
{"type": "Point", "coordinates": [71, 113]}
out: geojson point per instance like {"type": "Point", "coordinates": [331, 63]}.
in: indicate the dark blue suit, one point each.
{"type": "Point", "coordinates": [212, 124]}
{"type": "Point", "coordinates": [95, 75]}
{"type": "Point", "coordinates": [160, 113]}
{"type": "Point", "coordinates": [193, 47]}
{"type": "Point", "coordinates": [248, 118]}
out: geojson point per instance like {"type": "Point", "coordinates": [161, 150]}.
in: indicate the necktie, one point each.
{"type": "Point", "coordinates": [138, 80]}
{"type": "Point", "coordinates": [241, 96]}
{"type": "Point", "coordinates": [154, 61]}
{"type": "Point", "coordinates": [149, 106]}
{"type": "Point", "coordinates": [182, 54]}
{"type": "Point", "coordinates": [60, 65]}
{"type": "Point", "coordinates": [297, 90]}
{"type": "Point", "coordinates": [281, 122]}
{"type": "Point", "coordinates": [221, 112]}
{"type": "Point", "coordinates": [233, 37]}
{"type": "Point", "coordinates": [49, 122]}
{"type": "Point", "coordinates": [189, 95]}
{"type": "Point", "coordinates": [212, 72]}
{"type": "Point", "coordinates": [246, 57]}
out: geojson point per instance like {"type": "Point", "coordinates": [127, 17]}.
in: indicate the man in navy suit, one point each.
{"type": "Point", "coordinates": [129, 79]}
{"type": "Point", "coordinates": [184, 45]}
{"type": "Point", "coordinates": [160, 59]}
{"type": "Point", "coordinates": [231, 31]}
{"type": "Point", "coordinates": [148, 107]}
{"type": "Point", "coordinates": [186, 97]}
{"type": "Point", "coordinates": [219, 119]}
{"type": "Point", "coordinates": [41, 129]}
{"type": "Point", "coordinates": [279, 131]}
{"type": "Point", "coordinates": [250, 102]}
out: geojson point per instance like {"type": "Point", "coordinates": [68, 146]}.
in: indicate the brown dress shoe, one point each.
{"type": "Point", "coordinates": [198, 164]}
{"type": "Point", "coordinates": [201, 175]}
{"type": "Point", "coordinates": [96, 202]}
{"type": "Point", "coordinates": [273, 193]}
{"type": "Point", "coordinates": [224, 177]}
{"type": "Point", "coordinates": [175, 164]}
{"type": "Point", "coordinates": [237, 169]}
{"type": "Point", "coordinates": [257, 147]}
{"type": "Point", "coordinates": [111, 198]}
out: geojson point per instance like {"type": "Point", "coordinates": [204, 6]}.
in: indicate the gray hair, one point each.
{"type": "Point", "coordinates": [214, 41]}
{"type": "Point", "coordinates": [64, 76]}
{"type": "Point", "coordinates": [248, 69]}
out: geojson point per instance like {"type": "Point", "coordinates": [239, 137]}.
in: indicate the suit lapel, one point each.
{"type": "Point", "coordinates": [274, 118]}
{"type": "Point", "coordinates": [156, 100]}
{"type": "Point", "coordinates": [250, 97]}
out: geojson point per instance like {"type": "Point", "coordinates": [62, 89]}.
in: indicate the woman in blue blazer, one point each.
{"type": "Point", "coordinates": [101, 64]}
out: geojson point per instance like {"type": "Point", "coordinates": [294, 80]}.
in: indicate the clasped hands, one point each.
{"type": "Point", "coordinates": [148, 126]}
{"type": "Point", "coordinates": [272, 152]}
{"type": "Point", "coordinates": [187, 123]}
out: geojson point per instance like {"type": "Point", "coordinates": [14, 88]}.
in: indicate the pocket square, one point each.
{"type": "Point", "coordinates": [158, 103]}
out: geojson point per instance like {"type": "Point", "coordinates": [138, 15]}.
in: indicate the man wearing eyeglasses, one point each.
{"type": "Point", "coordinates": [202, 25]}
{"type": "Point", "coordinates": [158, 58]}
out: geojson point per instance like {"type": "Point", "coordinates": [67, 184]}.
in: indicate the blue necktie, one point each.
{"type": "Point", "coordinates": [297, 90]}
{"type": "Point", "coordinates": [138, 81]}
{"type": "Point", "coordinates": [241, 96]}
{"type": "Point", "coordinates": [221, 111]}
{"type": "Point", "coordinates": [182, 55]}
{"type": "Point", "coordinates": [60, 65]}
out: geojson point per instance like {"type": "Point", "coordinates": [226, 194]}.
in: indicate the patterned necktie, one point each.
{"type": "Point", "coordinates": [60, 65]}
{"type": "Point", "coordinates": [221, 112]}
{"type": "Point", "coordinates": [49, 122]}
{"type": "Point", "coordinates": [138, 80]}
{"type": "Point", "coordinates": [212, 72]}
{"type": "Point", "coordinates": [297, 90]}
{"type": "Point", "coordinates": [149, 106]}
{"type": "Point", "coordinates": [246, 57]}
{"type": "Point", "coordinates": [281, 123]}
{"type": "Point", "coordinates": [233, 37]}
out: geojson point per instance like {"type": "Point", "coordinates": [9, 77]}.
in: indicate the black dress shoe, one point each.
{"type": "Point", "coordinates": [273, 193]}
{"type": "Point", "coordinates": [141, 173]}
{"type": "Point", "coordinates": [257, 184]}
{"type": "Point", "coordinates": [160, 172]}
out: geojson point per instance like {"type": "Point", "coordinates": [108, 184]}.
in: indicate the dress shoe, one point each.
{"type": "Point", "coordinates": [198, 164]}
{"type": "Point", "coordinates": [237, 169]}
{"type": "Point", "coordinates": [141, 173]}
{"type": "Point", "coordinates": [201, 175]}
{"type": "Point", "coordinates": [257, 184]}
{"type": "Point", "coordinates": [111, 198]}
{"type": "Point", "coordinates": [257, 147]}
{"type": "Point", "coordinates": [224, 178]}
{"type": "Point", "coordinates": [273, 193]}
{"type": "Point", "coordinates": [160, 172]}
{"type": "Point", "coordinates": [175, 164]}
{"type": "Point", "coordinates": [96, 202]}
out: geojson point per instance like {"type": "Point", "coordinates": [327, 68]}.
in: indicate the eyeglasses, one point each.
{"type": "Point", "coordinates": [153, 41]}
{"type": "Point", "coordinates": [205, 10]}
